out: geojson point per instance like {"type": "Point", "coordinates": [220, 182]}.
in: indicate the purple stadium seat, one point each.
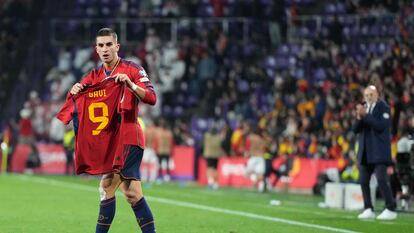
{"type": "Point", "coordinates": [242, 86]}
{"type": "Point", "coordinates": [304, 32]}
{"type": "Point", "coordinates": [283, 50]}
{"type": "Point", "coordinates": [270, 62]}
{"type": "Point", "coordinates": [365, 30]}
{"type": "Point", "coordinates": [167, 111]}
{"type": "Point", "coordinates": [330, 8]}
{"type": "Point", "coordinates": [299, 73]}
{"type": "Point", "coordinates": [355, 31]}
{"type": "Point", "coordinates": [295, 49]}
{"type": "Point", "coordinates": [202, 124]}
{"type": "Point", "coordinates": [380, 48]}
{"type": "Point", "coordinates": [282, 62]}
{"type": "Point", "coordinates": [372, 47]}
{"type": "Point", "coordinates": [346, 31]}
{"type": "Point", "coordinates": [292, 61]}
{"type": "Point", "coordinates": [178, 111]}
{"type": "Point", "coordinates": [134, 3]}
{"type": "Point", "coordinates": [270, 72]}
{"type": "Point", "coordinates": [319, 74]}
{"type": "Point", "coordinates": [340, 8]}
{"type": "Point", "coordinates": [348, 20]}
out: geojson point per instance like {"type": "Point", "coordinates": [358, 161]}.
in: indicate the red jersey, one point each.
{"type": "Point", "coordinates": [131, 131]}
{"type": "Point", "coordinates": [96, 120]}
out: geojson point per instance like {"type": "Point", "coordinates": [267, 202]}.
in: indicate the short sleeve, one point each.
{"type": "Point", "coordinates": [66, 112]}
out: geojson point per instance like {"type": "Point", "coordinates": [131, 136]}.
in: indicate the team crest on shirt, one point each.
{"type": "Point", "coordinates": [142, 73]}
{"type": "Point", "coordinates": [144, 76]}
{"type": "Point", "coordinates": [385, 115]}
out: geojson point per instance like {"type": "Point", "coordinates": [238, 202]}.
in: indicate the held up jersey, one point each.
{"type": "Point", "coordinates": [97, 123]}
{"type": "Point", "coordinates": [132, 133]}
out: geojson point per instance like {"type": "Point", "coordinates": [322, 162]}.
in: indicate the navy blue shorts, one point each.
{"type": "Point", "coordinates": [131, 169]}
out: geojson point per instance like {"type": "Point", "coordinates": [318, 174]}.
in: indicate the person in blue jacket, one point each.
{"type": "Point", "coordinates": [374, 153]}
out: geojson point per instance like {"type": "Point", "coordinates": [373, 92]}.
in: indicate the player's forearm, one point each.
{"type": "Point", "coordinates": [146, 95]}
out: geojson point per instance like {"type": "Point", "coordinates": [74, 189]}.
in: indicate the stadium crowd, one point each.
{"type": "Point", "coordinates": [300, 91]}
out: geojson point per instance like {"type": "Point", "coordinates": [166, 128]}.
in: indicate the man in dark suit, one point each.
{"type": "Point", "coordinates": [374, 153]}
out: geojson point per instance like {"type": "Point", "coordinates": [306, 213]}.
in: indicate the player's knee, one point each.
{"type": "Point", "coordinates": [106, 192]}
{"type": "Point", "coordinates": [133, 197]}
{"type": "Point", "coordinates": [102, 193]}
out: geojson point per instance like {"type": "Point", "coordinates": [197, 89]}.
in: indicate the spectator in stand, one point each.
{"type": "Point", "coordinates": [335, 31]}
{"type": "Point", "coordinates": [278, 23]}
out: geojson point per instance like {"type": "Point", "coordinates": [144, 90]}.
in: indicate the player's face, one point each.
{"type": "Point", "coordinates": [107, 48]}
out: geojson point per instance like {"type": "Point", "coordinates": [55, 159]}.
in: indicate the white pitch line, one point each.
{"type": "Point", "coordinates": [189, 205]}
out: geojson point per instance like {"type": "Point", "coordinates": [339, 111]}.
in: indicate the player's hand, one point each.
{"type": "Point", "coordinates": [76, 88]}
{"type": "Point", "coordinates": [124, 79]}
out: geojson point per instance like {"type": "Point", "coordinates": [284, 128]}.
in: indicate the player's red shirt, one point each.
{"type": "Point", "coordinates": [131, 131]}
{"type": "Point", "coordinates": [96, 120]}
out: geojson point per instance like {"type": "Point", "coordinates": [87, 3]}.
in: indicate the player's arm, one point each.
{"type": "Point", "coordinates": [78, 87]}
{"type": "Point", "coordinates": [142, 87]}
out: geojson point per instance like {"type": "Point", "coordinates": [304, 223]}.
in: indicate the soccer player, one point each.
{"type": "Point", "coordinates": [150, 159]}
{"type": "Point", "coordinates": [128, 178]}
{"type": "Point", "coordinates": [212, 151]}
{"type": "Point", "coordinates": [255, 151]}
{"type": "Point", "coordinates": [165, 146]}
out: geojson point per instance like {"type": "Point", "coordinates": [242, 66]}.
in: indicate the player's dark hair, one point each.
{"type": "Point", "coordinates": [107, 32]}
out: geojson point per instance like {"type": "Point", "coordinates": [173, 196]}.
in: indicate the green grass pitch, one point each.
{"type": "Point", "coordinates": [42, 204]}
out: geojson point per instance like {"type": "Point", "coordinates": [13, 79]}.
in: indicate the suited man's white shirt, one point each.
{"type": "Point", "coordinates": [371, 107]}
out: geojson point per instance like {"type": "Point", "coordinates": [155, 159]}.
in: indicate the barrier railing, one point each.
{"type": "Point", "coordinates": [81, 31]}
{"type": "Point", "coordinates": [365, 26]}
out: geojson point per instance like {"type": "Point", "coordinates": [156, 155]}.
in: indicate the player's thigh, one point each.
{"type": "Point", "coordinates": [251, 164]}
{"type": "Point", "coordinates": [149, 155]}
{"type": "Point", "coordinates": [260, 166]}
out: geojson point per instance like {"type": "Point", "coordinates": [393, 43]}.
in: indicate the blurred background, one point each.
{"type": "Point", "coordinates": [223, 70]}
